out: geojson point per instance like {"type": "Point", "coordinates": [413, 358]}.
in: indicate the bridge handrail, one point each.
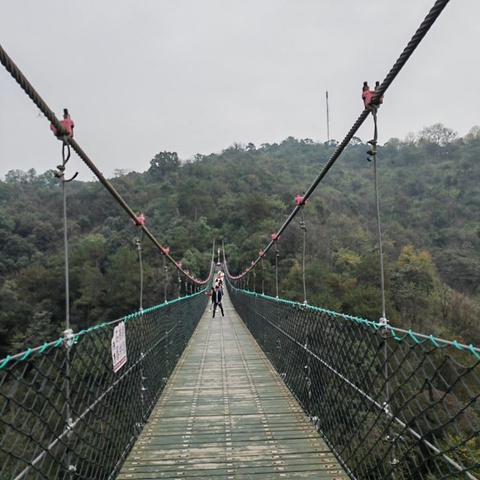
{"type": "Point", "coordinates": [408, 334]}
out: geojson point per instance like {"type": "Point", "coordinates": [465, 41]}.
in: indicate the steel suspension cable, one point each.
{"type": "Point", "coordinates": [383, 322]}
{"type": "Point", "coordinates": [304, 229]}
{"type": "Point", "coordinates": [419, 35]}
{"type": "Point", "coordinates": [27, 87]}
{"type": "Point", "coordinates": [165, 272]}
{"type": "Point", "coordinates": [140, 262]}
{"type": "Point", "coordinates": [379, 233]}
{"type": "Point", "coordinates": [68, 333]}
{"type": "Point", "coordinates": [277, 254]}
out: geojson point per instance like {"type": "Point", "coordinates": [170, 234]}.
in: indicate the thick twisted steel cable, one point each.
{"type": "Point", "coordinates": [125, 206]}
{"type": "Point", "coordinates": [422, 30]}
{"type": "Point", "coordinates": [29, 90]}
{"type": "Point", "coordinates": [27, 87]}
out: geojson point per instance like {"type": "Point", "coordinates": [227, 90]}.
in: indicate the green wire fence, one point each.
{"type": "Point", "coordinates": [392, 404]}
{"type": "Point", "coordinates": [73, 408]}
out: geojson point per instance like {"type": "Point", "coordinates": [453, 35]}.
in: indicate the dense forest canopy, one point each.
{"type": "Point", "coordinates": [430, 203]}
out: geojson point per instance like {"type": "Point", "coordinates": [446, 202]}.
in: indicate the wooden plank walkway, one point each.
{"type": "Point", "coordinates": [226, 414]}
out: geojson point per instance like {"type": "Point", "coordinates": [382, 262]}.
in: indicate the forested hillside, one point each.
{"type": "Point", "coordinates": [430, 204]}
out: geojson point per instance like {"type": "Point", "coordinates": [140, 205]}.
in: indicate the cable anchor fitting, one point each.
{"type": "Point", "coordinates": [373, 150]}
{"type": "Point", "coordinates": [68, 338]}
{"type": "Point", "coordinates": [383, 322]}
{"type": "Point", "coordinates": [60, 173]}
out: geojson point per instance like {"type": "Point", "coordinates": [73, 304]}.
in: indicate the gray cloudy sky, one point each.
{"type": "Point", "coordinates": [196, 76]}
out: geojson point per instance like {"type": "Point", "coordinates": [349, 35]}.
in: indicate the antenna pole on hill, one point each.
{"type": "Point", "coordinates": [328, 117]}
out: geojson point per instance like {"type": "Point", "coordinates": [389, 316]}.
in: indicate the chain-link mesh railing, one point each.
{"type": "Point", "coordinates": [392, 404]}
{"type": "Point", "coordinates": [65, 413]}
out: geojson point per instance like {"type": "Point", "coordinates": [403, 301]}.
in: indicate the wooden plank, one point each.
{"type": "Point", "coordinates": [226, 414]}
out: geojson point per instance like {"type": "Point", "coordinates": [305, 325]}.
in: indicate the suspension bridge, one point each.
{"type": "Point", "coordinates": [273, 389]}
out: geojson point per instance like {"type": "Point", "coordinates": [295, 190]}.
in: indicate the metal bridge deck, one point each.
{"type": "Point", "coordinates": [226, 414]}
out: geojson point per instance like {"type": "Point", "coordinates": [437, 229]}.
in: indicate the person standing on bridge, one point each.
{"type": "Point", "coordinates": [217, 301]}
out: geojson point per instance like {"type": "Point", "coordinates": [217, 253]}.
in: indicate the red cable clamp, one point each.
{"type": "Point", "coordinates": [67, 124]}
{"type": "Point", "coordinates": [299, 200]}
{"type": "Point", "coordinates": [140, 220]}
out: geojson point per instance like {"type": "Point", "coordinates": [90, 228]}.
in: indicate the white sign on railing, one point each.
{"type": "Point", "coordinates": [119, 347]}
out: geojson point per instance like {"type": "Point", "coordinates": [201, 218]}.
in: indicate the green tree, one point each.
{"type": "Point", "coordinates": [164, 164]}
{"type": "Point", "coordinates": [122, 280]}
{"type": "Point", "coordinates": [436, 138]}
{"type": "Point", "coordinates": [412, 285]}
{"type": "Point", "coordinates": [40, 329]}
{"type": "Point", "coordinates": [437, 134]}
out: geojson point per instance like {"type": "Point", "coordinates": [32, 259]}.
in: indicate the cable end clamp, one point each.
{"type": "Point", "coordinates": [68, 338]}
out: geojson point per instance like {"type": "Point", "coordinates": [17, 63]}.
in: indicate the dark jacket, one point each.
{"type": "Point", "coordinates": [217, 296]}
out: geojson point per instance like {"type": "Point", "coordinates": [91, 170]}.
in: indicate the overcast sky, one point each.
{"type": "Point", "coordinates": [196, 76]}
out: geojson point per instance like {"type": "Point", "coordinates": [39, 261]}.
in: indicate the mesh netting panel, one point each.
{"type": "Point", "coordinates": [391, 404]}
{"type": "Point", "coordinates": [64, 413]}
